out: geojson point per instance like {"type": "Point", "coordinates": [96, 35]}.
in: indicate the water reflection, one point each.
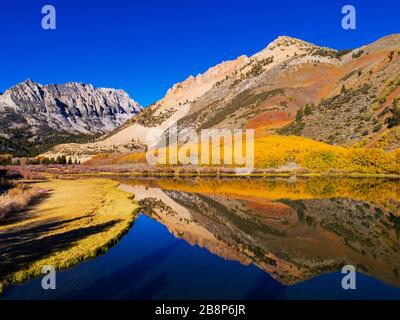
{"type": "Point", "coordinates": [294, 230]}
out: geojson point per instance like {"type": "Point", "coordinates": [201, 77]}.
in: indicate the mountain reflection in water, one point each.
{"type": "Point", "coordinates": [294, 230]}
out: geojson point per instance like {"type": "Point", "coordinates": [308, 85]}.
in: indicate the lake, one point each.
{"type": "Point", "coordinates": [245, 239]}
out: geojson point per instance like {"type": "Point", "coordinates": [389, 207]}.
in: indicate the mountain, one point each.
{"type": "Point", "coordinates": [361, 106]}
{"type": "Point", "coordinates": [291, 87]}
{"type": "Point", "coordinates": [34, 117]}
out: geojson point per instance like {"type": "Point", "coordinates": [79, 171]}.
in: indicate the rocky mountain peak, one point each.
{"type": "Point", "coordinates": [284, 47]}
{"type": "Point", "coordinates": [71, 108]}
{"type": "Point", "coordinates": [285, 41]}
{"type": "Point", "coordinates": [193, 87]}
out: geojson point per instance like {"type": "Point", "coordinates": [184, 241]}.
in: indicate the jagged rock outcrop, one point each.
{"type": "Point", "coordinates": [38, 115]}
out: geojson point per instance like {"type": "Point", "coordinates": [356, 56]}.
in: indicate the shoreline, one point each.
{"type": "Point", "coordinates": [140, 170]}
{"type": "Point", "coordinates": [104, 197]}
{"type": "Point", "coordinates": [233, 175]}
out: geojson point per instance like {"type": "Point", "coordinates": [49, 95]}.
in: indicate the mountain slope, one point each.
{"type": "Point", "coordinates": [360, 107]}
{"type": "Point", "coordinates": [266, 91]}
{"type": "Point", "coordinates": [34, 116]}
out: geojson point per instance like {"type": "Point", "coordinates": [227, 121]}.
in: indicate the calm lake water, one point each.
{"type": "Point", "coordinates": [245, 239]}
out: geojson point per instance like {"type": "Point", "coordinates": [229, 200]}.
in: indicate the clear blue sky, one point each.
{"type": "Point", "coordinates": [144, 46]}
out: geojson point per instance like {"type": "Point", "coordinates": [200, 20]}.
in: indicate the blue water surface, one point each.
{"type": "Point", "coordinates": [150, 263]}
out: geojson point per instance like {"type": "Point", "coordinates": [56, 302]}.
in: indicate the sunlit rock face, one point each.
{"type": "Point", "coordinates": [47, 114]}
{"type": "Point", "coordinates": [74, 107]}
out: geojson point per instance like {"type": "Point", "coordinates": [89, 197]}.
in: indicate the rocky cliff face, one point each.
{"type": "Point", "coordinates": [35, 114]}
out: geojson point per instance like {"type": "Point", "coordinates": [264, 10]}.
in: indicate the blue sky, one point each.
{"type": "Point", "coordinates": [145, 46]}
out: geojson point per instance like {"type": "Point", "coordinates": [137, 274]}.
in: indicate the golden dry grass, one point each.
{"type": "Point", "coordinates": [19, 198]}
{"type": "Point", "coordinates": [87, 217]}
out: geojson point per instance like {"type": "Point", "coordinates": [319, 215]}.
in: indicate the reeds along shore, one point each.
{"type": "Point", "coordinates": [19, 198]}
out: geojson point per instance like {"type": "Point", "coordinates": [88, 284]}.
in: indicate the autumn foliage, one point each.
{"type": "Point", "coordinates": [277, 151]}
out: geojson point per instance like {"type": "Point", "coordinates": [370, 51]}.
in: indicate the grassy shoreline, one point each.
{"type": "Point", "coordinates": [82, 219]}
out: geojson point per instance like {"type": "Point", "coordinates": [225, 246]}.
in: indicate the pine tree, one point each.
{"type": "Point", "coordinates": [63, 159]}
{"type": "Point", "coordinates": [395, 119]}
{"type": "Point", "coordinates": [299, 115]}
{"type": "Point", "coordinates": [307, 109]}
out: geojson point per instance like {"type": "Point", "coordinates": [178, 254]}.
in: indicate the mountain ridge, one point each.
{"type": "Point", "coordinates": [37, 113]}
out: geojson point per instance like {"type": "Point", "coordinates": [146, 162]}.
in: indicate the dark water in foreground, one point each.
{"type": "Point", "coordinates": [150, 263]}
{"type": "Point", "coordinates": [286, 241]}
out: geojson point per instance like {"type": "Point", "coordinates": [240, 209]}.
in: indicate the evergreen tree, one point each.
{"type": "Point", "coordinates": [307, 109]}
{"type": "Point", "coordinates": [395, 119]}
{"type": "Point", "coordinates": [299, 115]}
